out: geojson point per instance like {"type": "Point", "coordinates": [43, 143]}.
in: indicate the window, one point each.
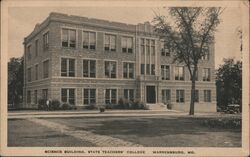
{"type": "Point", "coordinates": [180, 96]}
{"type": "Point", "coordinates": [68, 38]}
{"type": "Point", "coordinates": [36, 47]}
{"type": "Point", "coordinates": [29, 74]}
{"type": "Point", "coordinates": [206, 74]}
{"type": "Point", "coordinates": [45, 94]}
{"type": "Point", "coordinates": [147, 47]}
{"type": "Point", "coordinates": [166, 96]}
{"type": "Point", "coordinates": [46, 41]}
{"type": "Point", "coordinates": [179, 73]}
{"type": "Point", "coordinates": [152, 69]}
{"type": "Point", "coordinates": [153, 47]}
{"type": "Point", "coordinates": [68, 67]}
{"type": "Point", "coordinates": [110, 69]}
{"type": "Point", "coordinates": [148, 69]}
{"type": "Point", "coordinates": [29, 52]}
{"type": "Point", "coordinates": [68, 95]}
{"type": "Point", "coordinates": [89, 40]}
{"type": "Point", "coordinates": [164, 49]}
{"type": "Point", "coordinates": [165, 72]}
{"type": "Point", "coordinates": [35, 96]}
{"type": "Point", "coordinates": [36, 72]}
{"type": "Point", "coordinates": [142, 46]}
{"type": "Point", "coordinates": [46, 69]}
{"type": "Point", "coordinates": [129, 94]}
{"type": "Point", "coordinates": [110, 96]}
{"type": "Point", "coordinates": [89, 96]}
{"type": "Point", "coordinates": [142, 69]}
{"type": "Point", "coordinates": [89, 68]}
{"type": "Point", "coordinates": [196, 96]}
{"type": "Point", "coordinates": [110, 42]}
{"type": "Point", "coordinates": [206, 54]}
{"type": "Point", "coordinates": [196, 74]}
{"type": "Point", "coordinates": [207, 96]}
{"type": "Point", "coordinates": [28, 96]}
{"type": "Point", "coordinates": [128, 70]}
{"type": "Point", "coordinates": [127, 44]}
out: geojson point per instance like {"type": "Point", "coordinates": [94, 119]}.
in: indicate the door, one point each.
{"type": "Point", "coordinates": [151, 94]}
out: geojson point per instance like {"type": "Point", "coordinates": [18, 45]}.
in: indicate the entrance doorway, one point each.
{"type": "Point", "coordinates": [151, 98]}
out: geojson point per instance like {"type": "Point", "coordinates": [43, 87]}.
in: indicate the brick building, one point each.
{"type": "Point", "coordinates": [83, 61]}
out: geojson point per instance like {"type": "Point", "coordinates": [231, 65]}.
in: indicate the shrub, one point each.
{"type": "Point", "coordinates": [91, 107]}
{"type": "Point", "coordinates": [42, 104]}
{"type": "Point", "coordinates": [54, 105]}
{"type": "Point", "coordinates": [137, 104]}
{"type": "Point", "coordinates": [169, 106]}
{"type": "Point", "coordinates": [67, 106]}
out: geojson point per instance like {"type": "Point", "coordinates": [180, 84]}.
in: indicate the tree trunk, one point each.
{"type": "Point", "coordinates": [191, 110]}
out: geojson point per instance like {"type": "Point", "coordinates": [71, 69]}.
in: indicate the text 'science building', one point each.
{"type": "Point", "coordinates": [85, 61]}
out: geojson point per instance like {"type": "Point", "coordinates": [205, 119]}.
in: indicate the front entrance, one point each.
{"type": "Point", "coordinates": [151, 94]}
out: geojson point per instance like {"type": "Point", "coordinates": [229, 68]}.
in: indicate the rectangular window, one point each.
{"type": "Point", "coordinates": [128, 70]}
{"type": "Point", "coordinates": [142, 69]}
{"type": "Point", "coordinates": [89, 96]}
{"type": "Point", "coordinates": [165, 72]}
{"type": "Point", "coordinates": [89, 40]}
{"type": "Point", "coordinates": [153, 47]}
{"type": "Point", "coordinates": [206, 74]}
{"type": "Point", "coordinates": [29, 52]}
{"type": "Point", "coordinates": [110, 69]}
{"type": "Point", "coordinates": [166, 96]}
{"type": "Point", "coordinates": [36, 72]}
{"type": "Point", "coordinates": [28, 96]}
{"type": "Point", "coordinates": [35, 96]}
{"type": "Point", "coordinates": [207, 95]}
{"type": "Point", "coordinates": [196, 96]}
{"type": "Point", "coordinates": [127, 44]}
{"type": "Point", "coordinates": [152, 69]}
{"type": "Point", "coordinates": [29, 74]}
{"type": "Point", "coordinates": [142, 46]}
{"type": "Point", "coordinates": [45, 94]}
{"type": "Point", "coordinates": [179, 73]}
{"type": "Point", "coordinates": [46, 41]}
{"type": "Point", "coordinates": [68, 38]}
{"type": "Point", "coordinates": [206, 54]}
{"type": "Point", "coordinates": [196, 75]}
{"type": "Point", "coordinates": [147, 47]}
{"type": "Point", "coordinates": [164, 49]}
{"type": "Point", "coordinates": [110, 96]}
{"type": "Point", "coordinates": [129, 94]}
{"type": "Point", "coordinates": [180, 96]}
{"type": "Point", "coordinates": [89, 68]}
{"type": "Point", "coordinates": [46, 69]}
{"type": "Point", "coordinates": [68, 67]}
{"type": "Point", "coordinates": [148, 69]}
{"type": "Point", "coordinates": [68, 95]}
{"type": "Point", "coordinates": [110, 42]}
{"type": "Point", "coordinates": [36, 47]}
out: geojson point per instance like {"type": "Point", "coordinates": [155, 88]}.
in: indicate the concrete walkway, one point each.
{"type": "Point", "coordinates": [98, 140]}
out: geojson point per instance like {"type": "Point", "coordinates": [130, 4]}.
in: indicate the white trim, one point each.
{"type": "Point", "coordinates": [67, 58]}
{"type": "Point", "coordinates": [134, 69]}
{"type": "Point", "coordinates": [89, 31]}
{"type": "Point", "coordinates": [96, 94]}
{"type": "Point", "coordinates": [89, 59]}
{"type": "Point", "coordinates": [69, 28]}
{"type": "Point", "coordinates": [112, 34]}
{"type": "Point", "coordinates": [75, 94]}
{"type": "Point", "coordinates": [108, 60]}
{"type": "Point", "coordinates": [133, 45]}
{"type": "Point", "coordinates": [110, 95]}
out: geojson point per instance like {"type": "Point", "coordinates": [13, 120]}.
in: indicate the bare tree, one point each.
{"type": "Point", "coordinates": [188, 34]}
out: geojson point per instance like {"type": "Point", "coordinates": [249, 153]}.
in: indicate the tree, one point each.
{"type": "Point", "coordinates": [15, 81]}
{"type": "Point", "coordinates": [229, 83]}
{"type": "Point", "coordinates": [188, 36]}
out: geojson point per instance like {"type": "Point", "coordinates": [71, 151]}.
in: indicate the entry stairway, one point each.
{"type": "Point", "coordinates": [157, 106]}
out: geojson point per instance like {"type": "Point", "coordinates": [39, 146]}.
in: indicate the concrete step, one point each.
{"type": "Point", "coordinates": [157, 106]}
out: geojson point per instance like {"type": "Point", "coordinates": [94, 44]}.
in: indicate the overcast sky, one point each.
{"type": "Point", "coordinates": [22, 21]}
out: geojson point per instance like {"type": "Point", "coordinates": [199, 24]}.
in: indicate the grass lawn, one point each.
{"type": "Point", "coordinates": [161, 131]}
{"type": "Point", "coordinates": [25, 133]}
{"type": "Point", "coordinates": [156, 131]}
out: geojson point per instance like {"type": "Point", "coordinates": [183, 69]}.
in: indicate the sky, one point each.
{"type": "Point", "coordinates": [22, 20]}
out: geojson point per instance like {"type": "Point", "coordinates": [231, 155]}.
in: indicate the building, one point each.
{"type": "Point", "coordinates": [83, 61]}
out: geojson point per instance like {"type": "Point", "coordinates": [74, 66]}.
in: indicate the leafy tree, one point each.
{"type": "Point", "coordinates": [15, 81]}
{"type": "Point", "coordinates": [188, 34]}
{"type": "Point", "coordinates": [229, 83]}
